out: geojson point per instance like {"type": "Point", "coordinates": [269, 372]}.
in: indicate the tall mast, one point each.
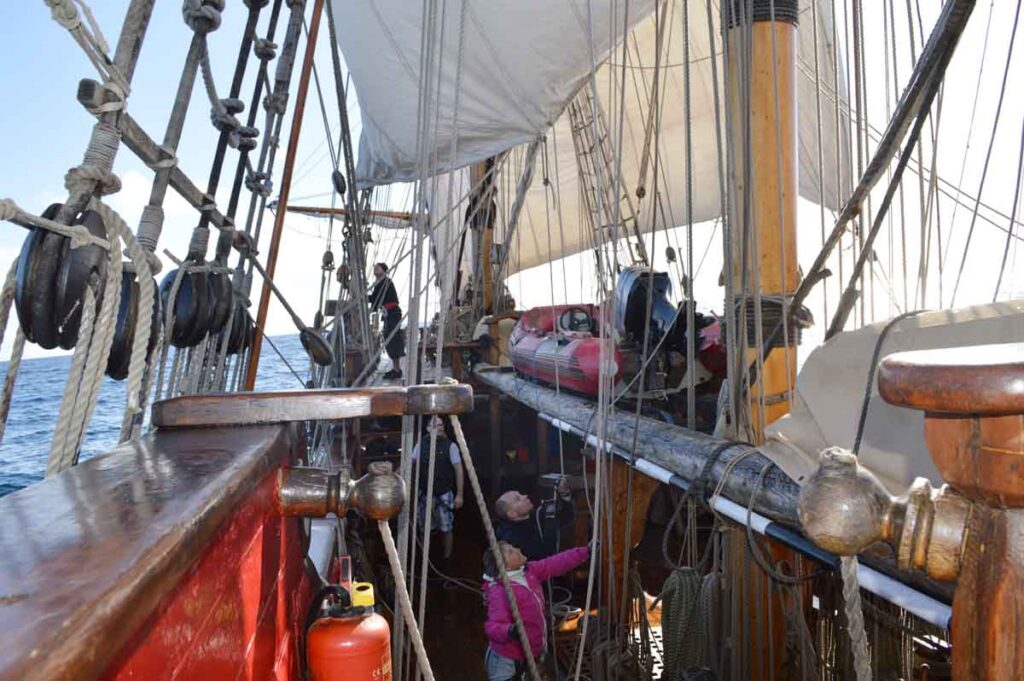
{"type": "Point", "coordinates": [761, 39]}
{"type": "Point", "coordinates": [762, 45]}
{"type": "Point", "coordinates": [286, 186]}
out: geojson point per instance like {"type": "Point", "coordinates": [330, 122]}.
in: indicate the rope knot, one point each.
{"type": "Point", "coordinates": [276, 102]}
{"type": "Point", "coordinates": [91, 179]}
{"type": "Point", "coordinates": [168, 161]}
{"type": "Point", "coordinates": [65, 14]}
{"type": "Point", "coordinates": [264, 49]}
{"type": "Point", "coordinates": [259, 183]}
{"type": "Point", "coordinates": [202, 16]}
{"type": "Point", "coordinates": [8, 210]}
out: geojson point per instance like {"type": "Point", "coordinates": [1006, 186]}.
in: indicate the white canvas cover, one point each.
{"type": "Point", "coordinates": [524, 60]}
{"type": "Point", "coordinates": [830, 392]}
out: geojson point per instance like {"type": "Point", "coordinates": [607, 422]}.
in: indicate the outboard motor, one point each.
{"type": "Point", "coordinates": [631, 295]}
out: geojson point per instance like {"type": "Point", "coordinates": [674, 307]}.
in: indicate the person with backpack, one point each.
{"type": "Point", "coordinates": [448, 482]}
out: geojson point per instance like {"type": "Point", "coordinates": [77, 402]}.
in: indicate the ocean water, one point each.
{"type": "Point", "coordinates": [37, 396]}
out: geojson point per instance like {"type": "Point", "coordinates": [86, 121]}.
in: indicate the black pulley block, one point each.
{"type": "Point", "coordinates": [124, 332]}
{"type": "Point", "coordinates": [79, 268]}
{"type": "Point", "coordinates": [52, 279]}
{"type": "Point", "coordinates": [191, 307]}
{"type": "Point", "coordinates": [220, 300]}
{"type": "Point", "coordinates": [340, 185]}
{"type": "Point", "coordinates": [238, 340]}
{"type": "Point", "coordinates": [28, 273]}
{"type": "Point", "coordinates": [316, 347]}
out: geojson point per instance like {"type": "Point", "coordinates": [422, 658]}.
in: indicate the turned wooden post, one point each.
{"type": "Point", "coordinates": [973, 399]}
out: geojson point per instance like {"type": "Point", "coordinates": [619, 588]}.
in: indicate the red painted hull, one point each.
{"type": "Point", "coordinates": [239, 612]}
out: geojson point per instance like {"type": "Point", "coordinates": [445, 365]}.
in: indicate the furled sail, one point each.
{"type": "Point", "coordinates": [523, 62]}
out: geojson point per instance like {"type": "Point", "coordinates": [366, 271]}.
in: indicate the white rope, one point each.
{"type": "Point", "coordinates": [137, 367]}
{"type": "Point", "coordinates": [56, 462]}
{"type": "Point", "coordinates": [79, 235]}
{"type": "Point", "coordinates": [169, 332]}
{"type": "Point", "coordinates": [855, 618]}
{"type": "Point", "coordinates": [89, 37]}
{"type": "Point", "coordinates": [13, 365]}
{"type": "Point", "coordinates": [404, 602]}
{"type": "Point", "coordinates": [492, 541]}
{"type": "Point", "coordinates": [99, 351]}
{"type": "Point", "coordinates": [6, 302]}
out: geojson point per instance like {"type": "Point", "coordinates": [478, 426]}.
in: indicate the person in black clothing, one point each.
{"type": "Point", "coordinates": [448, 483]}
{"type": "Point", "coordinates": [383, 296]}
{"type": "Point", "coordinates": [534, 530]}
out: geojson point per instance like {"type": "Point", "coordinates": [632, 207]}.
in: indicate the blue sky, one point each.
{"type": "Point", "coordinates": [44, 131]}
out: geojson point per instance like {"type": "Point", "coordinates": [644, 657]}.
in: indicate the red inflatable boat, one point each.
{"type": "Point", "coordinates": [559, 345]}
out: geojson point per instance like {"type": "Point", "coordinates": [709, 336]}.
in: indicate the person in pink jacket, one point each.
{"type": "Point", "coordinates": [505, 658]}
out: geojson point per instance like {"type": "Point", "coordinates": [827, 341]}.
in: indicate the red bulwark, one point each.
{"type": "Point", "coordinates": [238, 612]}
{"type": "Point", "coordinates": [167, 558]}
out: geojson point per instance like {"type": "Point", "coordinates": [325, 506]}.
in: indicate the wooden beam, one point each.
{"type": "Point", "coordinates": [674, 448]}
{"type": "Point", "coordinates": [247, 408]}
{"type": "Point", "coordinates": [326, 211]}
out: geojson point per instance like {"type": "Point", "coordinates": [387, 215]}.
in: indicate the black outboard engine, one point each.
{"type": "Point", "coordinates": [631, 294]}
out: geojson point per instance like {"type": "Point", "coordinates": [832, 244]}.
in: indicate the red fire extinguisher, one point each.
{"type": "Point", "coordinates": [349, 640]}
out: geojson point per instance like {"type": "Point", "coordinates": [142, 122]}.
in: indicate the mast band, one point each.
{"type": "Point", "coordinates": [740, 12]}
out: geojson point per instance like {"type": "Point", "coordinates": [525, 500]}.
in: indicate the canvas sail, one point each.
{"type": "Point", "coordinates": [519, 73]}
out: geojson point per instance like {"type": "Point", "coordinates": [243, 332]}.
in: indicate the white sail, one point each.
{"type": "Point", "coordinates": [516, 62]}
{"type": "Point", "coordinates": [521, 64]}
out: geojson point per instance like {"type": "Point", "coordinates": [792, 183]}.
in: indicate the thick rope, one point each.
{"type": "Point", "coordinates": [79, 235]}
{"type": "Point", "coordinates": [56, 462]}
{"type": "Point", "coordinates": [99, 350]}
{"type": "Point", "coordinates": [6, 302]}
{"type": "Point", "coordinates": [855, 618]}
{"type": "Point", "coordinates": [139, 257]}
{"type": "Point", "coordinates": [492, 541]}
{"type": "Point", "coordinates": [404, 602]}
{"type": "Point", "coordinates": [13, 365]}
{"type": "Point", "coordinates": [684, 622]}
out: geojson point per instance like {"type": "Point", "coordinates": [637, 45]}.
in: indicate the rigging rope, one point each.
{"type": "Point", "coordinates": [14, 363]}
{"type": "Point", "coordinates": [492, 542]}
{"type": "Point", "coordinates": [405, 603]}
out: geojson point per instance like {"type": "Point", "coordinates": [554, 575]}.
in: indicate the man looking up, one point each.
{"type": "Point", "coordinates": [384, 297]}
{"type": "Point", "coordinates": [533, 529]}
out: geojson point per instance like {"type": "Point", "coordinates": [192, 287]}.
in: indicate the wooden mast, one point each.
{"type": "Point", "coordinates": [286, 185]}
{"type": "Point", "coordinates": [762, 74]}
{"type": "Point", "coordinates": [761, 51]}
